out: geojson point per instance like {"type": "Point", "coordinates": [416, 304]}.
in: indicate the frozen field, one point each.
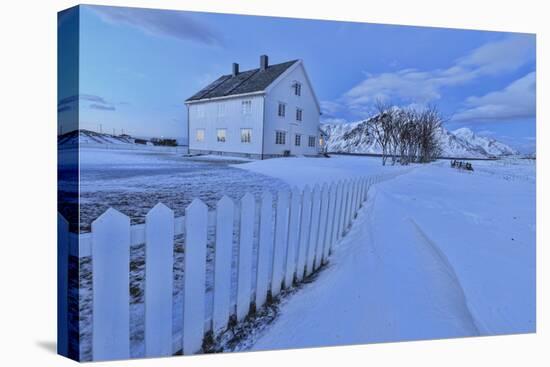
{"type": "Point", "coordinates": [133, 182]}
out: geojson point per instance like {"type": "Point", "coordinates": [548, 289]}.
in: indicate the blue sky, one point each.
{"type": "Point", "coordinates": [137, 66]}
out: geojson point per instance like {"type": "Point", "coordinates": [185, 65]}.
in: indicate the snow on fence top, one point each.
{"type": "Point", "coordinates": [277, 240]}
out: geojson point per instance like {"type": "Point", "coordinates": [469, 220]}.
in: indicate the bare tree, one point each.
{"type": "Point", "coordinates": [407, 135]}
{"type": "Point", "coordinates": [380, 128]}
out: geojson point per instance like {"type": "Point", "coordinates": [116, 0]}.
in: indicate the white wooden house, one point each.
{"type": "Point", "coordinates": [267, 112]}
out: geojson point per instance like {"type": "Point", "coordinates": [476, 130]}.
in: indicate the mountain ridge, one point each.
{"type": "Point", "coordinates": [354, 137]}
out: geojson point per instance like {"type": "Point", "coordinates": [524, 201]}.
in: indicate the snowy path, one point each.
{"type": "Point", "coordinates": [453, 257]}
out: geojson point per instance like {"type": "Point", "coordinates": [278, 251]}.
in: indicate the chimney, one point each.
{"type": "Point", "coordinates": [263, 62]}
{"type": "Point", "coordinates": [235, 69]}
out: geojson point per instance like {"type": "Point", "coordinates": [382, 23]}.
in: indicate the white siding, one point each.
{"type": "Point", "coordinates": [309, 126]}
{"type": "Point", "coordinates": [226, 114]}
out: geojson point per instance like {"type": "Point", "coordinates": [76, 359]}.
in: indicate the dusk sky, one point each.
{"type": "Point", "coordinates": [137, 66]}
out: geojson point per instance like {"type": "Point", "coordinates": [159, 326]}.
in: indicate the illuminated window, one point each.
{"type": "Point", "coordinates": [220, 135]}
{"type": "Point", "coordinates": [199, 136]}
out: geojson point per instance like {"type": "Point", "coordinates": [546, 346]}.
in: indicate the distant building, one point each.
{"type": "Point", "coordinates": [267, 112]}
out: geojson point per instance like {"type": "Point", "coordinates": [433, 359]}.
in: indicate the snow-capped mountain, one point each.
{"type": "Point", "coordinates": [462, 143]}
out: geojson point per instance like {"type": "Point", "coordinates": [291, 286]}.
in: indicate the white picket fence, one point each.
{"type": "Point", "coordinates": [291, 245]}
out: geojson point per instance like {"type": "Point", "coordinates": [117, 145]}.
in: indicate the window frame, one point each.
{"type": "Point", "coordinates": [312, 139]}
{"type": "Point", "coordinates": [249, 135]}
{"type": "Point", "coordinates": [297, 140]}
{"type": "Point", "coordinates": [281, 107]}
{"type": "Point", "coordinates": [246, 107]}
{"type": "Point", "coordinates": [297, 89]}
{"type": "Point", "coordinates": [218, 130]}
{"type": "Point", "coordinates": [278, 134]}
{"type": "Point", "coordinates": [203, 130]}
{"type": "Point", "coordinates": [299, 114]}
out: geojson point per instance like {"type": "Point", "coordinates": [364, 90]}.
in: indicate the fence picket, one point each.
{"type": "Point", "coordinates": [196, 220]}
{"type": "Point", "coordinates": [358, 198]}
{"type": "Point", "coordinates": [244, 285]}
{"type": "Point", "coordinates": [281, 238]}
{"type": "Point", "coordinates": [159, 254]}
{"type": "Point", "coordinates": [305, 222]}
{"type": "Point", "coordinates": [222, 263]}
{"type": "Point", "coordinates": [337, 212]}
{"type": "Point", "coordinates": [329, 222]}
{"type": "Point", "coordinates": [322, 227]}
{"type": "Point", "coordinates": [62, 286]}
{"type": "Point", "coordinates": [111, 278]}
{"type": "Point", "coordinates": [355, 199]}
{"type": "Point", "coordinates": [293, 235]}
{"type": "Point", "coordinates": [265, 251]}
{"type": "Point", "coordinates": [345, 208]}
{"type": "Point", "coordinates": [314, 228]}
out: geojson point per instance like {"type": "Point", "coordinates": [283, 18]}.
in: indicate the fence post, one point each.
{"type": "Point", "coordinates": [111, 278]}
{"type": "Point", "coordinates": [293, 235]}
{"type": "Point", "coordinates": [314, 228]}
{"type": "Point", "coordinates": [358, 196]}
{"type": "Point", "coordinates": [194, 279]}
{"type": "Point", "coordinates": [322, 227]}
{"type": "Point", "coordinates": [159, 254]}
{"type": "Point", "coordinates": [62, 286]}
{"type": "Point", "coordinates": [281, 238]}
{"type": "Point", "coordinates": [244, 285]}
{"type": "Point", "coordinates": [265, 250]}
{"type": "Point", "coordinates": [222, 263]}
{"type": "Point", "coordinates": [305, 221]}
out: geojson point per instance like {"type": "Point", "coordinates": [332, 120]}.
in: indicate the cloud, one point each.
{"type": "Point", "coordinates": [330, 107]}
{"type": "Point", "coordinates": [102, 107]}
{"type": "Point", "coordinates": [98, 103]}
{"type": "Point", "coordinates": [516, 101]}
{"type": "Point", "coordinates": [175, 24]}
{"type": "Point", "coordinates": [424, 86]}
{"type": "Point", "coordinates": [334, 121]}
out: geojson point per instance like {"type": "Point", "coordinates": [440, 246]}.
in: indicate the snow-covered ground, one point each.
{"type": "Point", "coordinates": [436, 253]}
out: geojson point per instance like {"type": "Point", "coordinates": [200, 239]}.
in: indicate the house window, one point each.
{"type": "Point", "coordinates": [280, 137]}
{"type": "Point", "coordinates": [220, 135]}
{"type": "Point", "coordinates": [311, 141]}
{"type": "Point", "coordinates": [201, 110]}
{"type": "Point", "coordinates": [199, 135]}
{"type": "Point", "coordinates": [281, 110]}
{"type": "Point", "coordinates": [246, 135]}
{"type": "Point", "coordinates": [298, 114]}
{"type": "Point", "coordinates": [297, 89]}
{"type": "Point", "coordinates": [246, 107]}
{"type": "Point", "coordinates": [221, 109]}
{"type": "Point", "coordinates": [297, 140]}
